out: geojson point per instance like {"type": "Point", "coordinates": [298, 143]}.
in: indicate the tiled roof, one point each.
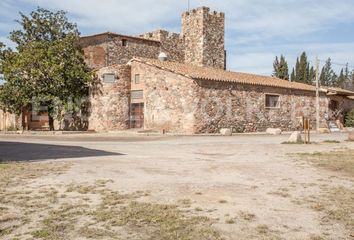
{"type": "Point", "coordinates": [119, 35]}
{"type": "Point", "coordinates": [204, 73]}
{"type": "Point", "coordinates": [338, 91]}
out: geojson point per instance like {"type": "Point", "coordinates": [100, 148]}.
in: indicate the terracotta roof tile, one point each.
{"type": "Point", "coordinates": [339, 91]}
{"type": "Point", "coordinates": [119, 35]}
{"type": "Point", "coordinates": [204, 73]}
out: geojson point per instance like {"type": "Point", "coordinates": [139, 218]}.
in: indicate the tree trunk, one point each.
{"type": "Point", "coordinates": [51, 119]}
{"type": "Point", "coordinates": [51, 123]}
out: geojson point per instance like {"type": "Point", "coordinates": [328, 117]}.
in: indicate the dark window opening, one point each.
{"type": "Point", "coordinates": [137, 79]}
{"type": "Point", "coordinates": [272, 101]}
{"type": "Point", "coordinates": [109, 77]}
{"type": "Point", "coordinates": [124, 42]}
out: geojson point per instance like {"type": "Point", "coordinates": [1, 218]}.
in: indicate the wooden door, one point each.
{"type": "Point", "coordinates": [137, 115]}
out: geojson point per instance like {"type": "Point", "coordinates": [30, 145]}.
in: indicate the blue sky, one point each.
{"type": "Point", "coordinates": [256, 30]}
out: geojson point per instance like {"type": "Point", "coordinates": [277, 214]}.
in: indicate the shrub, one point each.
{"type": "Point", "coordinates": [11, 128]}
{"type": "Point", "coordinates": [349, 118]}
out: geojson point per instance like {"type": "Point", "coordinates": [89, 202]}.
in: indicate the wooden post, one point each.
{"type": "Point", "coordinates": [317, 96]}
{"type": "Point", "coordinates": [304, 128]}
{"type": "Point", "coordinates": [308, 131]}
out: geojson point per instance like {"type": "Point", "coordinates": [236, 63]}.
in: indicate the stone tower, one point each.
{"type": "Point", "coordinates": [203, 33]}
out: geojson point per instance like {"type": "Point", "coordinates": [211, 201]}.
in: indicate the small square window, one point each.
{"type": "Point", "coordinates": [272, 101]}
{"type": "Point", "coordinates": [109, 77]}
{"type": "Point", "coordinates": [137, 94]}
{"type": "Point", "coordinates": [124, 42]}
{"type": "Point", "coordinates": [137, 78]}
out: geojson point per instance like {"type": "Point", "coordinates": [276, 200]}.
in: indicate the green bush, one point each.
{"type": "Point", "coordinates": [11, 128]}
{"type": "Point", "coordinates": [349, 119]}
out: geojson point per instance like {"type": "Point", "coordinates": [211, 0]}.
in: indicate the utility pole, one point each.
{"type": "Point", "coordinates": [317, 96]}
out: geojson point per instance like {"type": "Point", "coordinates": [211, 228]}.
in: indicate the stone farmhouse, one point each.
{"type": "Point", "coordinates": [177, 82]}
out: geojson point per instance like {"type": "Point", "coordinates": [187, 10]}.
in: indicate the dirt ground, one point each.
{"type": "Point", "coordinates": [103, 186]}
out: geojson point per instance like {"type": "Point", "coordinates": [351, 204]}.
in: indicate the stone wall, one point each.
{"type": "Point", "coordinates": [168, 99]}
{"type": "Point", "coordinates": [178, 104]}
{"type": "Point", "coordinates": [201, 43]}
{"type": "Point", "coordinates": [242, 107]}
{"type": "Point", "coordinates": [344, 105]}
{"type": "Point", "coordinates": [203, 33]}
{"type": "Point", "coordinates": [110, 101]}
{"type": "Point", "coordinates": [105, 50]}
{"type": "Point", "coordinates": [171, 43]}
{"type": "Point", "coordinates": [9, 121]}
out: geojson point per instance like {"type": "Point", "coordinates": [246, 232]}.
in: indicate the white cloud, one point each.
{"type": "Point", "coordinates": [262, 18]}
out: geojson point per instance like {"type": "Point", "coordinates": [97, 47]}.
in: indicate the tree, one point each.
{"type": "Point", "coordinates": [281, 69]}
{"type": "Point", "coordinates": [312, 75]}
{"type": "Point", "coordinates": [342, 79]}
{"type": "Point", "coordinates": [302, 69]}
{"type": "Point", "coordinates": [303, 72]}
{"type": "Point", "coordinates": [293, 77]}
{"type": "Point", "coordinates": [328, 77]}
{"type": "Point", "coordinates": [349, 119]}
{"type": "Point", "coordinates": [48, 65]}
{"type": "Point", "coordinates": [345, 78]}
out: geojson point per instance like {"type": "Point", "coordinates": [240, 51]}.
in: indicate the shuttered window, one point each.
{"type": "Point", "coordinates": [109, 77]}
{"type": "Point", "coordinates": [137, 94]}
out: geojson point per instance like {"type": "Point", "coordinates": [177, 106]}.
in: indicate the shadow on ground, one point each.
{"type": "Point", "coordinates": [17, 151]}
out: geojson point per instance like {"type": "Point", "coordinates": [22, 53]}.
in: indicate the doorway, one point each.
{"type": "Point", "coordinates": [137, 115]}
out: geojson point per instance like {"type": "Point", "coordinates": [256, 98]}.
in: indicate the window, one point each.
{"type": "Point", "coordinates": [137, 79]}
{"type": "Point", "coordinates": [124, 42]}
{"type": "Point", "coordinates": [109, 77]}
{"type": "Point", "coordinates": [137, 94]}
{"type": "Point", "coordinates": [272, 101]}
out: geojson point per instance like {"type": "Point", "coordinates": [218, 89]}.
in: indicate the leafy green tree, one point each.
{"type": "Point", "coordinates": [349, 118]}
{"type": "Point", "coordinates": [47, 65]}
{"type": "Point", "coordinates": [328, 77]}
{"type": "Point", "coordinates": [281, 69]}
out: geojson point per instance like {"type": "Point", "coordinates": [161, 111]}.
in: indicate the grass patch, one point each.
{"type": "Point", "coordinates": [282, 192]}
{"type": "Point", "coordinates": [88, 211]}
{"type": "Point", "coordinates": [247, 216]}
{"type": "Point", "coordinates": [299, 142]}
{"type": "Point", "coordinates": [331, 141]}
{"type": "Point", "coordinates": [159, 221]}
{"type": "Point", "coordinates": [230, 221]}
{"type": "Point", "coordinates": [262, 229]}
{"type": "Point", "coordinates": [339, 161]}
{"type": "Point", "coordinates": [15, 173]}
{"type": "Point", "coordinates": [25, 203]}
{"type": "Point", "coordinates": [335, 204]}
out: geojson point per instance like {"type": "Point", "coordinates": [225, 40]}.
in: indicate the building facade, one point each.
{"type": "Point", "coordinates": [190, 91]}
{"type": "Point", "coordinates": [201, 43]}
